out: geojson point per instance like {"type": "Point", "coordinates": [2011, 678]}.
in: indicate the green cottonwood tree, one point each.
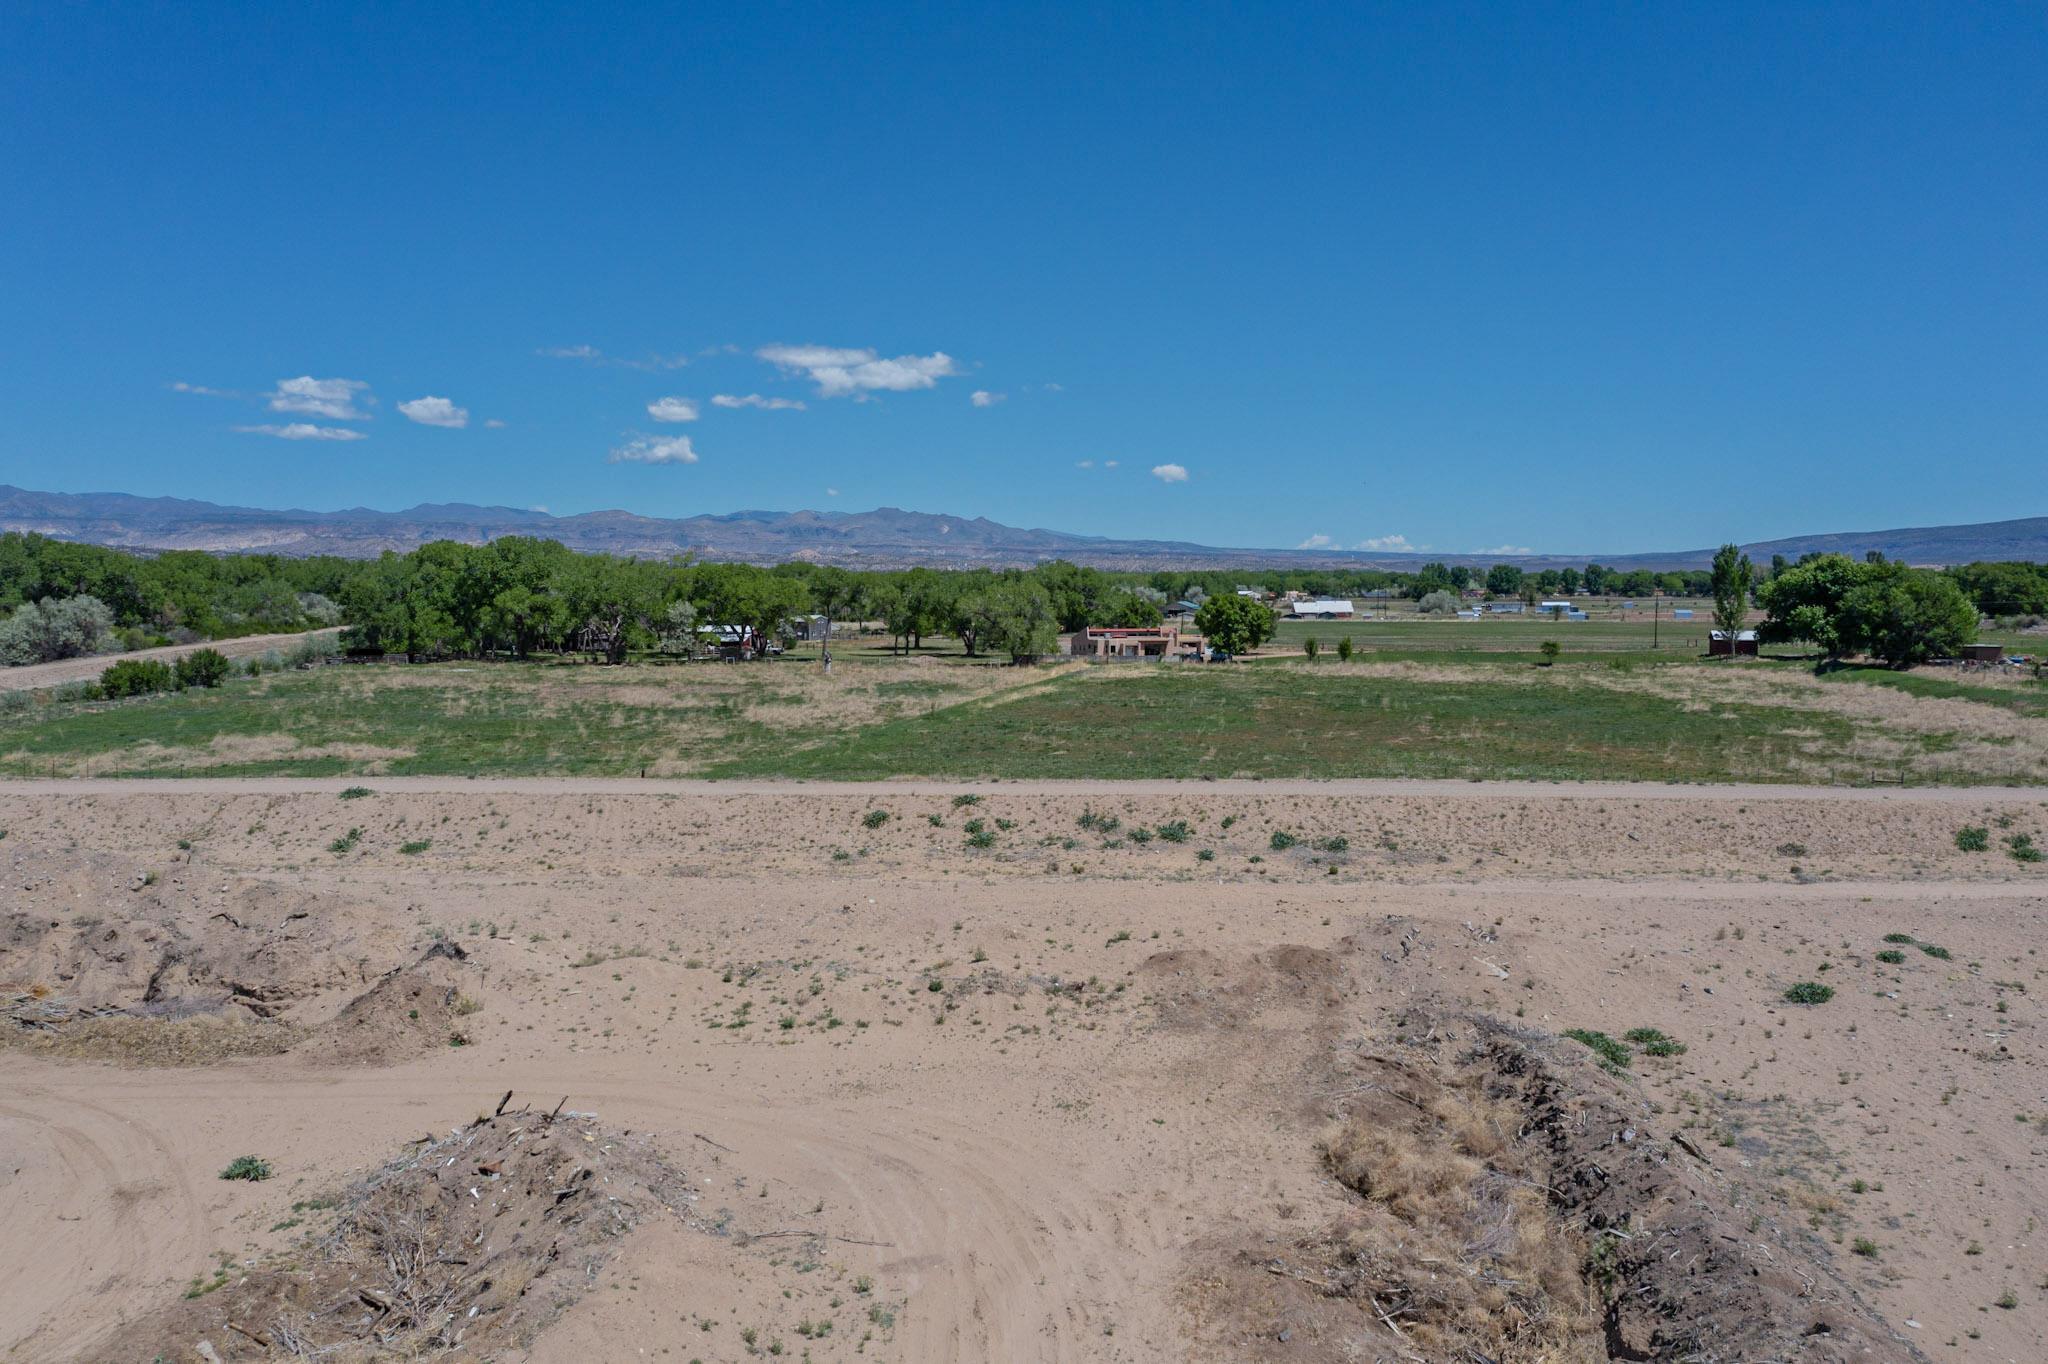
{"type": "Point", "coordinates": [1734, 575]}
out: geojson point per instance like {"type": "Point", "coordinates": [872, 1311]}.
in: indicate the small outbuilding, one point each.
{"type": "Point", "coordinates": [1742, 646]}
{"type": "Point", "coordinates": [1983, 653]}
{"type": "Point", "coordinates": [1323, 608]}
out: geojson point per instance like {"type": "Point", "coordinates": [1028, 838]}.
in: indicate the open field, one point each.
{"type": "Point", "coordinates": [1136, 1080]}
{"type": "Point", "coordinates": [1484, 713]}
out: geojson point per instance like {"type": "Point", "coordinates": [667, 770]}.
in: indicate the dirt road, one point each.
{"type": "Point", "coordinates": [37, 675]}
{"type": "Point", "coordinates": [1366, 789]}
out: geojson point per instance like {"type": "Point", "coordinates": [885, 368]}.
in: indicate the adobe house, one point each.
{"type": "Point", "coordinates": [1114, 642]}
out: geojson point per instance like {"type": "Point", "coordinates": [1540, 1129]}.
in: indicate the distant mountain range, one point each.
{"type": "Point", "coordinates": [884, 538]}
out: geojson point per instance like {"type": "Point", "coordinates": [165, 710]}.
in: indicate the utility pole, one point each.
{"type": "Point", "coordinates": [1656, 615]}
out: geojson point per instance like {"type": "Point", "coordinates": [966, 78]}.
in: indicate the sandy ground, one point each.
{"type": "Point", "coordinates": [1120, 1079]}
{"type": "Point", "coordinates": [38, 675]}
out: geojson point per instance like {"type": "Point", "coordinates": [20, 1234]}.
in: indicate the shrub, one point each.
{"type": "Point", "coordinates": [1439, 603]}
{"type": "Point", "coordinates": [1101, 824]}
{"type": "Point", "coordinates": [1613, 1055]}
{"type": "Point", "coordinates": [1141, 836]}
{"type": "Point", "coordinates": [251, 1168]}
{"type": "Point", "coordinates": [1809, 992]}
{"type": "Point", "coordinates": [982, 838]}
{"type": "Point", "coordinates": [1973, 838]}
{"type": "Point", "coordinates": [874, 819]}
{"type": "Point", "coordinates": [1938, 953]}
{"type": "Point", "coordinates": [1344, 649]}
{"type": "Point", "coordinates": [1549, 649]}
{"type": "Point", "coordinates": [1335, 843]}
{"type": "Point", "coordinates": [416, 846]}
{"type": "Point", "coordinates": [1892, 956]}
{"type": "Point", "coordinates": [137, 677]}
{"type": "Point", "coordinates": [355, 792]}
{"type": "Point", "coordinates": [1310, 647]}
{"type": "Point", "coordinates": [1905, 939]}
{"type": "Point", "coordinates": [346, 843]}
{"type": "Point", "coordinates": [1865, 1247]}
{"type": "Point", "coordinates": [2022, 849]}
{"type": "Point", "coordinates": [1174, 831]}
{"type": "Point", "coordinates": [204, 668]}
{"type": "Point", "coordinates": [46, 631]}
{"type": "Point", "coordinates": [1282, 840]}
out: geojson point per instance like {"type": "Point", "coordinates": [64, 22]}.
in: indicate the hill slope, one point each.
{"type": "Point", "coordinates": [887, 537]}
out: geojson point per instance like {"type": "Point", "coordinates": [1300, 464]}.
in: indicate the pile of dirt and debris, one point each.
{"type": "Point", "coordinates": [103, 957]}
{"type": "Point", "coordinates": [462, 1247]}
{"type": "Point", "coordinates": [1513, 1204]}
{"type": "Point", "coordinates": [412, 1010]}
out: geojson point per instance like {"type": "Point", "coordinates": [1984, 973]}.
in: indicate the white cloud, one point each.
{"type": "Point", "coordinates": [983, 398]}
{"type": "Point", "coordinates": [1109, 464]}
{"type": "Point", "coordinates": [302, 431]}
{"type": "Point", "coordinates": [541, 507]}
{"type": "Point", "coordinates": [839, 371]}
{"type": "Point", "coordinates": [737, 400]}
{"type": "Point", "coordinates": [1317, 541]}
{"type": "Point", "coordinates": [672, 410]}
{"type": "Point", "coordinates": [1084, 464]}
{"type": "Point", "coordinates": [1390, 544]}
{"type": "Point", "coordinates": [593, 355]}
{"type": "Point", "coordinates": [831, 492]}
{"type": "Point", "coordinates": [432, 411]}
{"type": "Point", "coordinates": [1169, 473]}
{"type": "Point", "coordinates": [654, 450]}
{"type": "Point", "coordinates": [1505, 549]}
{"type": "Point", "coordinates": [331, 398]}
{"type": "Point", "coordinates": [202, 390]}
{"type": "Point", "coordinates": [493, 424]}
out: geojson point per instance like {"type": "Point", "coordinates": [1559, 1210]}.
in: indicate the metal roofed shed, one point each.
{"type": "Point", "coordinates": [1324, 608]}
{"type": "Point", "coordinates": [1720, 646]}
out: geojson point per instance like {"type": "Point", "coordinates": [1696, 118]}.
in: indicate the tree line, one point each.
{"type": "Point", "coordinates": [522, 596]}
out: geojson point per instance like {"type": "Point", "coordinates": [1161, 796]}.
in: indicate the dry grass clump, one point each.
{"type": "Point", "coordinates": [1456, 1243]}
{"type": "Point", "coordinates": [134, 1041]}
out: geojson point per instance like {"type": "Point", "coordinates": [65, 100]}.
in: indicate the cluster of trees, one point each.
{"type": "Point", "coordinates": [1895, 614]}
{"type": "Point", "coordinates": [523, 596]}
{"type": "Point", "coordinates": [2005, 589]}
{"type": "Point", "coordinates": [178, 596]}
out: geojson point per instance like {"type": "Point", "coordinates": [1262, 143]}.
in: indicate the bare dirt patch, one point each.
{"type": "Point", "coordinates": [1032, 1101]}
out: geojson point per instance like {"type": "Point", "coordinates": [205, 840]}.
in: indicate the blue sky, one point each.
{"type": "Point", "coordinates": [1581, 277]}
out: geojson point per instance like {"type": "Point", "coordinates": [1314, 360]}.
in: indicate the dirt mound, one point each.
{"type": "Point", "coordinates": [107, 932]}
{"type": "Point", "coordinates": [1513, 1204]}
{"type": "Point", "coordinates": [460, 1248]}
{"type": "Point", "coordinates": [103, 956]}
{"type": "Point", "coordinates": [412, 1010]}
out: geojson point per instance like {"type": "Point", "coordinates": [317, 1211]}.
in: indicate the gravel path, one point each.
{"type": "Point", "coordinates": [36, 675]}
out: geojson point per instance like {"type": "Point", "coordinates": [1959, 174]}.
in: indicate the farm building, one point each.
{"type": "Point", "coordinates": [1323, 608]}
{"type": "Point", "coordinates": [1983, 653]}
{"type": "Point", "coordinates": [1115, 642]}
{"type": "Point", "coordinates": [1743, 645]}
{"type": "Point", "coordinates": [1681, 613]}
